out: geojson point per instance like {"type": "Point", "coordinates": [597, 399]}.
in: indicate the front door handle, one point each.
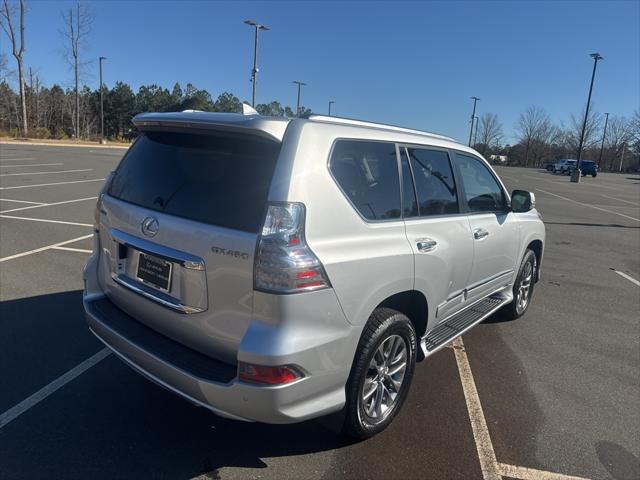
{"type": "Point", "coordinates": [426, 244]}
{"type": "Point", "coordinates": [480, 233]}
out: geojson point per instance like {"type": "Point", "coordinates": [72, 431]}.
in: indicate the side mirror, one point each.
{"type": "Point", "coordinates": [522, 201]}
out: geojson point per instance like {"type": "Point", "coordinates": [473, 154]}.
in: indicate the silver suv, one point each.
{"type": "Point", "coordinates": [276, 270]}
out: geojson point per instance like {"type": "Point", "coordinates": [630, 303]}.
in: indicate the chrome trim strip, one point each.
{"type": "Point", "coordinates": [186, 260]}
{"type": "Point", "coordinates": [166, 302]}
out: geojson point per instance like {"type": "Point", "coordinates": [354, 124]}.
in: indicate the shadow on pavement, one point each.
{"type": "Point", "coordinates": [619, 462]}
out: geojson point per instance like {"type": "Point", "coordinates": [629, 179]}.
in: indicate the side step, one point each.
{"type": "Point", "coordinates": [461, 321]}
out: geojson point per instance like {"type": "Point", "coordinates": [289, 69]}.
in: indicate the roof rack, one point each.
{"type": "Point", "coordinates": [382, 126]}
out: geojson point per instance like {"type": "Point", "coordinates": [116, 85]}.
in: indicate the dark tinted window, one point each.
{"type": "Point", "coordinates": [435, 185]}
{"type": "Point", "coordinates": [368, 174]}
{"type": "Point", "coordinates": [409, 201]}
{"type": "Point", "coordinates": [482, 192]}
{"type": "Point", "coordinates": [220, 180]}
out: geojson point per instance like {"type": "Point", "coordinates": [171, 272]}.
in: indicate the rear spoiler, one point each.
{"type": "Point", "coordinates": [271, 128]}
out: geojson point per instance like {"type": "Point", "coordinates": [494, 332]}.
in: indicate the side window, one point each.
{"type": "Point", "coordinates": [435, 185]}
{"type": "Point", "coordinates": [409, 201]}
{"type": "Point", "coordinates": [367, 172]}
{"type": "Point", "coordinates": [482, 191]}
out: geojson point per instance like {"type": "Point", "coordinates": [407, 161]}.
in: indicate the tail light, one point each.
{"type": "Point", "coordinates": [284, 263]}
{"type": "Point", "coordinates": [98, 210]}
{"type": "Point", "coordinates": [266, 375]}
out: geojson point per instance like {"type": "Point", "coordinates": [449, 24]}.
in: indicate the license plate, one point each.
{"type": "Point", "coordinates": [154, 271]}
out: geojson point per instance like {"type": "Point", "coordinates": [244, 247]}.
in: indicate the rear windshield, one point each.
{"type": "Point", "coordinates": [217, 179]}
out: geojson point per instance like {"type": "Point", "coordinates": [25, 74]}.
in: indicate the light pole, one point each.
{"type": "Point", "coordinates": [331, 102]}
{"type": "Point", "coordinates": [300, 84]}
{"type": "Point", "coordinates": [473, 116]}
{"type": "Point", "coordinates": [604, 134]}
{"type": "Point", "coordinates": [575, 174]}
{"type": "Point", "coordinates": [475, 134]}
{"type": "Point", "coordinates": [100, 60]}
{"type": "Point", "coordinates": [254, 71]}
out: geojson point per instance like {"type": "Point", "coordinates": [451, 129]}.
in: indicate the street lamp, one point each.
{"type": "Point", "coordinates": [331, 102]}
{"type": "Point", "coordinates": [575, 174]}
{"type": "Point", "coordinates": [254, 71]}
{"type": "Point", "coordinates": [100, 60]}
{"type": "Point", "coordinates": [473, 116]}
{"type": "Point", "coordinates": [475, 134]}
{"type": "Point", "coordinates": [604, 135]}
{"type": "Point", "coordinates": [300, 84]}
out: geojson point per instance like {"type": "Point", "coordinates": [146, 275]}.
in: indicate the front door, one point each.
{"type": "Point", "coordinates": [494, 229]}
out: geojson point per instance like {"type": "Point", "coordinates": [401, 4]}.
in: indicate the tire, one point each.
{"type": "Point", "coordinates": [386, 330]}
{"type": "Point", "coordinates": [526, 274]}
{"type": "Point", "coordinates": [594, 175]}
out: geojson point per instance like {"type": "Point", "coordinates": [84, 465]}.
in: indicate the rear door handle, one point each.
{"type": "Point", "coordinates": [480, 233]}
{"type": "Point", "coordinates": [426, 244]}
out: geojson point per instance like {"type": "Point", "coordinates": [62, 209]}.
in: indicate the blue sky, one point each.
{"type": "Point", "coordinates": [408, 63]}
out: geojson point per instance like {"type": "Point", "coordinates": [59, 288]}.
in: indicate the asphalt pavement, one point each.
{"type": "Point", "coordinates": [559, 389]}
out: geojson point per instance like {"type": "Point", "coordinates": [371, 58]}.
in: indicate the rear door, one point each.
{"type": "Point", "coordinates": [494, 229]}
{"type": "Point", "coordinates": [436, 228]}
{"type": "Point", "coordinates": [178, 228]}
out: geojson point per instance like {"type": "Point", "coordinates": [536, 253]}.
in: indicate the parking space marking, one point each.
{"type": "Point", "coordinates": [491, 468]}
{"type": "Point", "coordinates": [31, 401]}
{"type": "Point", "coordinates": [71, 249]}
{"type": "Point", "coordinates": [50, 184]}
{"type": "Point", "coordinates": [628, 277]}
{"type": "Point", "coordinates": [21, 201]}
{"type": "Point", "coordinates": [47, 204]}
{"type": "Point", "coordinates": [16, 158]}
{"type": "Point", "coordinates": [621, 200]}
{"type": "Point", "coordinates": [46, 173]}
{"type": "Point", "coordinates": [30, 165]}
{"type": "Point", "coordinates": [589, 205]}
{"type": "Point", "coordinates": [48, 247]}
{"type": "Point", "coordinates": [524, 473]}
{"type": "Point", "coordinates": [486, 454]}
{"type": "Point", "coordinates": [46, 220]}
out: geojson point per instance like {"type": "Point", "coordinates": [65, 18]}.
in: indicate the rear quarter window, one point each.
{"type": "Point", "coordinates": [221, 180]}
{"type": "Point", "coordinates": [367, 173]}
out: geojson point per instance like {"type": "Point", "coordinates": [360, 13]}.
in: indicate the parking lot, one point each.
{"type": "Point", "coordinates": [553, 395]}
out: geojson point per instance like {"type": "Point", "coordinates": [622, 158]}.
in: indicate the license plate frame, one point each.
{"type": "Point", "coordinates": [154, 271]}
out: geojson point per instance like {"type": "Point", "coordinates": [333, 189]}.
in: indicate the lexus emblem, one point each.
{"type": "Point", "coordinates": [150, 226]}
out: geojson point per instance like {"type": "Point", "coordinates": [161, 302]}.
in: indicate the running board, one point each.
{"type": "Point", "coordinates": [462, 321]}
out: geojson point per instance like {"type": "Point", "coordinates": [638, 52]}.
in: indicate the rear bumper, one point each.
{"type": "Point", "coordinates": [323, 352]}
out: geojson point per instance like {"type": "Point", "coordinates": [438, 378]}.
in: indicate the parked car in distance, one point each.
{"type": "Point", "coordinates": [549, 166]}
{"type": "Point", "coordinates": [276, 270]}
{"type": "Point", "coordinates": [588, 167]}
{"type": "Point", "coordinates": [564, 166]}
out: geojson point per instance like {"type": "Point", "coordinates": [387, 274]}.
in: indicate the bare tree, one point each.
{"type": "Point", "coordinates": [77, 26]}
{"type": "Point", "coordinates": [490, 133]}
{"type": "Point", "coordinates": [534, 129]}
{"type": "Point", "coordinates": [17, 44]}
{"type": "Point", "coordinates": [619, 135]}
{"type": "Point", "coordinates": [591, 131]}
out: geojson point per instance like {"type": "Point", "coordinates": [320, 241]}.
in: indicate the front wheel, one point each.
{"type": "Point", "coordinates": [523, 286]}
{"type": "Point", "coordinates": [381, 373]}
{"type": "Point", "coordinates": [594, 175]}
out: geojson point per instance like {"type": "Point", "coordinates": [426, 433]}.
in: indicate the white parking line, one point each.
{"type": "Point", "coordinates": [30, 165]}
{"type": "Point", "coordinates": [621, 200]}
{"type": "Point", "coordinates": [47, 204]}
{"type": "Point", "coordinates": [524, 473]}
{"type": "Point", "coordinates": [42, 249]}
{"type": "Point", "coordinates": [491, 468]}
{"type": "Point", "coordinates": [21, 201]}
{"type": "Point", "coordinates": [589, 205]}
{"type": "Point", "coordinates": [50, 184]}
{"type": "Point", "coordinates": [45, 220]}
{"type": "Point", "coordinates": [628, 277]}
{"type": "Point", "coordinates": [71, 249]}
{"type": "Point", "coordinates": [45, 173]}
{"type": "Point", "coordinates": [47, 390]}
{"type": "Point", "coordinates": [11, 159]}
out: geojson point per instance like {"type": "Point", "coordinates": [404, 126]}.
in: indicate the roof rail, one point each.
{"type": "Point", "coordinates": [382, 126]}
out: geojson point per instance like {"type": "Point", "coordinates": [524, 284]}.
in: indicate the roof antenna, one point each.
{"type": "Point", "coordinates": [249, 110]}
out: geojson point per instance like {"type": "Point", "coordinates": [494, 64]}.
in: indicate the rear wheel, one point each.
{"type": "Point", "coordinates": [594, 175]}
{"type": "Point", "coordinates": [523, 286]}
{"type": "Point", "coordinates": [381, 373]}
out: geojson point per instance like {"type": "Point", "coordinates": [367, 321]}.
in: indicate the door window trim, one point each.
{"type": "Point", "coordinates": [458, 174]}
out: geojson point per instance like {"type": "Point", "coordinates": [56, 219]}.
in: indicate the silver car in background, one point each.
{"type": "Point", "coordinates": [276, 270]}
